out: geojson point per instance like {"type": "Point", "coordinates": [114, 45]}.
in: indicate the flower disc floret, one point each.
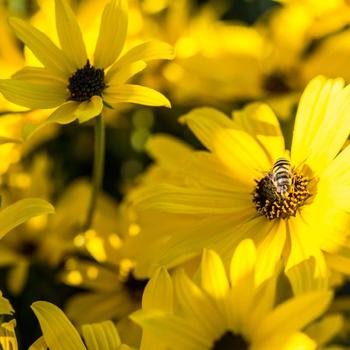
{"type": "Point", "coordinates": [86, 82]}
{"type": "Point", "coordinates": [274, 205]}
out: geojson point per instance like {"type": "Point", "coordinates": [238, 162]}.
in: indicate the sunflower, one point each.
{"type": "Point", "coordinates": [80, 87]}
{"type": "Point", "coordinates": [232, 311]}
{"type": "Point", "coordinates": [230, 192]}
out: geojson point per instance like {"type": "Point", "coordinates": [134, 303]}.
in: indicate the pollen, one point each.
{"type": "Point", "coordinates": [86, 82]}
{"type": "Point", "coordinates": [274, 205]}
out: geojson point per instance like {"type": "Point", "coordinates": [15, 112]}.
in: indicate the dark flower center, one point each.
{"type": "Point", "coordinates": [230, 341]}
{"type": "Point", "coordinates": [86, 82]}
{"type": "Point", "coordinates": [275, 83]}
{"type": "Point", "coordinates": [273, 204]}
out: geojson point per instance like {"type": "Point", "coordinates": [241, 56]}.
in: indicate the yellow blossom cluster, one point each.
{"type": "Point", "coordinates": [175, 175]}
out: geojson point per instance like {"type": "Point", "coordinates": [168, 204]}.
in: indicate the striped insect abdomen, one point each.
{"type": "Point", "coordinates": [281, 175]}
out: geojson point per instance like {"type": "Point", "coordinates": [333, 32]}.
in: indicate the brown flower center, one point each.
{"type": "Point", "coordinates": [273, 203]}
{"type": "Point", "coordinates": [230, 341]}
{"type": "Point", "coordinates": [86, 82]}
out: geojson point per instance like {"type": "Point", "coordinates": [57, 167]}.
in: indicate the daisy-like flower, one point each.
{"type": "Point", "coordinates": [232, 311]}
{"type": "Point", "coordinates": [294, 208]}
{"type": "Point", "coordinates": [79, 86]}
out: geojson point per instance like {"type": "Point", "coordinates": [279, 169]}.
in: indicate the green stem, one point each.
{"type": "Point", "coordinates": [99, 158]}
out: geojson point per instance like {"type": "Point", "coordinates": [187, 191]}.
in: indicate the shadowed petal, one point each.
{"type": "Point", "coordinates": [142, 95]}
{"type": "Point", "coordinates": [32, 95]}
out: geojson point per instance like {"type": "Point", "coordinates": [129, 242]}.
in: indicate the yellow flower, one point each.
{"type": "Point", "coordinates": [230, 191]}
{"type": "Point", "coordinates": [233, 311]}
{"type": "Point", "coordinates": [69, 80]}
{"type": "Point", "coordinates": [114, 292]}
{"type": "Point", "coordinates": [108, 282]}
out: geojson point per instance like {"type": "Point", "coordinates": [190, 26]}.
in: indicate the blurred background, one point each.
{"type": "Point", "coordinates": [228, 53]}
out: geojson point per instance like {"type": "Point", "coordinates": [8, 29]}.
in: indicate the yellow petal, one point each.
{"type": "Point", "coordinates": [69, 34]}
{"type": "Point", "coordinates": [19, 212]}
{"type": "Point", "coordinates": [8, 340]}
{"type": "Point", "coordinates": [142, 95]}
{"type": "Point", "coordinates": [33, 95]}
{"type": "Point", "coordinates": [89, 109]}
{"type": "Point", "coordinates": [214, 279]}
{"type": "Point", "coordinates": [338, 169]}
{"type": "Point", "coordinates": [326, 329]}
{"type": "Point", "coordinates": [5, 306]}
{"type": "Point", "coordinates": [124, 73]}
{"type": "Point", "coordinates": [242, 270]}
{"type": "Point", "coordinates": [296, 341]}
{"type": "Point", "coordinates": [158, 293]}
{"type": "Point", "coordinates": [108, 305]}
{"type": "Point", "coordinates": [322, 123]}
{"type": "Point", "coordinates": [221, 136]}
{"type": "Point", "coordinates": [166, 150]}
{"type": "Point", "coordinates": [58, 331]}
{"type": "Point", "coordinates": [203, 121]}
{"type": "Point", "coordinates": [304, 244]}
{"type": "Point", "coordinates": [103, 335]}
{"type": "Point", "coordinates": [243, 262]}
{"type": "Point", "coordinates": [62, 115]}
{"type": "Point", "coordinates": [39, 344]}
{"type": "Point", "coordinates": [269, 252]}
{"type": "Point", "coordinates": [38, 75]}
{"type": "Point", "coordinates": [303, 277]}
{"type": "Point", "coordinates": [173, 331]}
{"type": "Point", "coordinates": [198, 307]}
{"type": "Point", "coordinates": [151, 50]}
{"type": "Point", "coordinates": [175, 199]}
{"type": "Point", "coordinates": [113, 29]}
{"type": "Point", "coordinates": [338, 263]}
{"type": "Point", "coordinates": [300, 341]}
{"type": "Point", "coordinates": [43, 48]}
{"type": "Point", "coordinates": [260, 121]}
{"type": "Point", "coordinates": [294, 314]}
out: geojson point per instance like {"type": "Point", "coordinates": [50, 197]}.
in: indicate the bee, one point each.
{"type": "Point", "coordinates": [281, 175]}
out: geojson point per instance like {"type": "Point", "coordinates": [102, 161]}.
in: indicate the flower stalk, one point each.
{"type": "Point", "coordinates": [98, 170]}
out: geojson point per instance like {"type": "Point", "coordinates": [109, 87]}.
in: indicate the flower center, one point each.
{"type": "Point", "coordinates": [230, 341]}
{"type": "Point", "coordinates": [86, 82]}
{"type": "Point", "coordinates": [276, 83]}
{"type": "Point", "coordinates": [281, 198]}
